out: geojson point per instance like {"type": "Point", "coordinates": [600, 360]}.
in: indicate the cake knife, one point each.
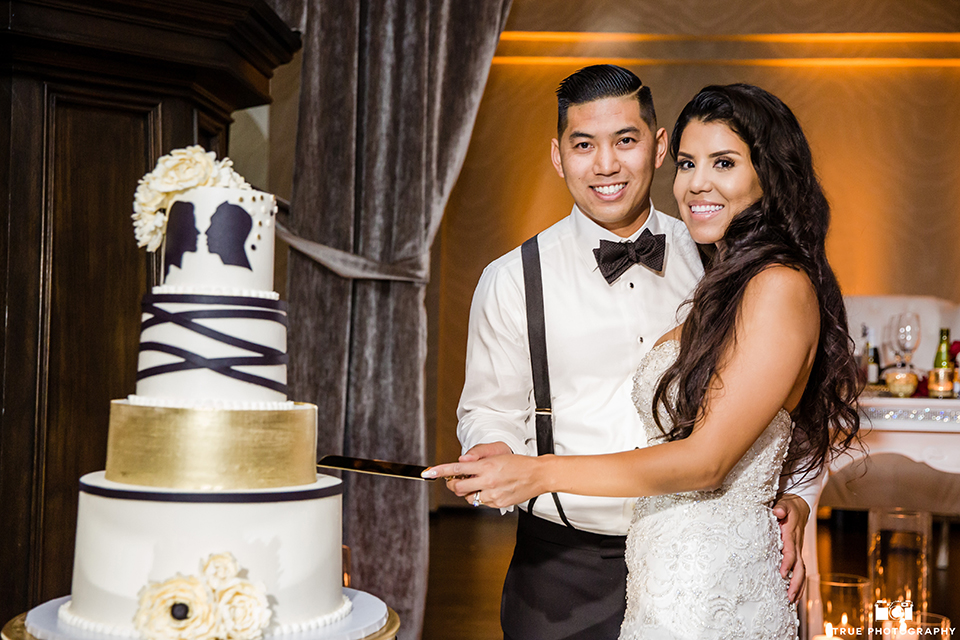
{"type": "Point", "coordinates": [377, 467]}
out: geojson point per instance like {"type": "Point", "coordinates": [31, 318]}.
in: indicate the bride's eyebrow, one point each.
{"type": "Point", "coordinates": [725, 152]}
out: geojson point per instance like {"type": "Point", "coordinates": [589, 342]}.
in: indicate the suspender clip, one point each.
{"type": "Point", "coordinates": [543, 412]}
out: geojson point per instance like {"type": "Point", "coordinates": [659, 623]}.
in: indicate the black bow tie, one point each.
{"type": "Point", "coordinates": [614, 258]}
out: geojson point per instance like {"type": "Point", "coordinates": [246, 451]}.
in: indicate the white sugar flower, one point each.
{"type": "Point", "coordinates": [242, 610]}
{"type": "Point", "coordinates": [220, 569]}
{"type": "Point", "coordinates": [149, 229]}
{"type": "Point", "coordinates": [227, 177]}
{"type": "Point", "coordinates": [176, 172]}
{"type": "Point", "coordinates": [184, 169]}
{"type": "Point", "coordinates": [149, 217]}
{"type": "Point", "coordinates": [181, 608]}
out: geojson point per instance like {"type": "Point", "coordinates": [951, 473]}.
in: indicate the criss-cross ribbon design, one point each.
{"type": "Point", "coordinates": [269, 310]}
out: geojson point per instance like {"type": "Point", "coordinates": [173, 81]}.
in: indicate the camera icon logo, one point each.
{"type": "Point", "coordinates": [896, 610]}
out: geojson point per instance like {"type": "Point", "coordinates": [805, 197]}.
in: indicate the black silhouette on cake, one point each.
{"type": "Point", "coordinates": [181, 235]}
{"type": "Point", "coordinates": [229, 227]}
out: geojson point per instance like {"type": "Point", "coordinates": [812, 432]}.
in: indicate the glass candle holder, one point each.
{"type": "Point", "coordinates": [921, 625]}
{"type": "Point", "coordinates": [838, 605]}
{"type": "Point", "coordinates": [929, 625]}
{"type": "Point", "coordinates": [898, 556]}
{"type": "Point", "coordinates": [901, 382]}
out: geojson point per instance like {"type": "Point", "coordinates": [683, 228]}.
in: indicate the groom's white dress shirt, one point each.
{"type": "Point", "coordinates": [596, 335]}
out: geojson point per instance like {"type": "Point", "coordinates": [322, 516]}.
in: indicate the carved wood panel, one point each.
{"type": "Point", "coordinates": [93, 277]}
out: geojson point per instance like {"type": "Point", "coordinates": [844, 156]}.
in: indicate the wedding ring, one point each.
{"type": "Point", "coordinates": [476, 499]}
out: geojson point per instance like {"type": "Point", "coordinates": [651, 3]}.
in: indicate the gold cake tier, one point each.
{"type": "Point", "coordinates": [211, 449]}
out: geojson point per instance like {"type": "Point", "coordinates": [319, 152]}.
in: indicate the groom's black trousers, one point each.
{"type": "Point", "coordinates": [563, 584]}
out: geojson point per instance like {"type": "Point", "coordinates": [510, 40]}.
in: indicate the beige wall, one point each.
{"type": "Point", "coordinates": [881, 109]}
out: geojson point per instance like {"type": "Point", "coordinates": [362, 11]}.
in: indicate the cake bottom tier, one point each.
{"type": "Point", "coordinates": [288, 540]}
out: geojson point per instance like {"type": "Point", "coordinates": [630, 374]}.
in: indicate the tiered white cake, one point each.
{"type": "Point", "coordinates": [210, 520]}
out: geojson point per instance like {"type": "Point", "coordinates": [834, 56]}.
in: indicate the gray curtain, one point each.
{"type": "Point", "coordinates": [389, 95]}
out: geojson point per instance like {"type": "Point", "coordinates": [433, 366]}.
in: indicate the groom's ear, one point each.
{"type": "Point", "coordinates": [555, 157]}
{"type": "Point", "coordinates": [661, 139]}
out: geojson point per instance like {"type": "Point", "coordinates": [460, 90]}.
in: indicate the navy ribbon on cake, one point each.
{"type": "Point", "coordinates": [271, 311]}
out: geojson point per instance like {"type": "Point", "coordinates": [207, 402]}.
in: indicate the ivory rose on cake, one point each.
{"type": "Point", "coordinates": [176, 172]}
{"type": "Point", "coordinates": [149, 216]}
{"type": "Point", "coordinates": [242, 610]}
{"type": "Point", "coordinates": [220, 569]}
{"type": "Point", "coordinates": [180, 608]}
{"type": "Point", "coordinates": [184, 169]}
{"type": "Point", "coordinates": [227, 177]}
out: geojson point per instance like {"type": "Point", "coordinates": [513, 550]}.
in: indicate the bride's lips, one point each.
{"type": "Point", "coordinates": [609, 191]}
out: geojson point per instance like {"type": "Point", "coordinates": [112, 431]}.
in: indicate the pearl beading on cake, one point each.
{"type": "Point", "coordinates": [214, 291]}
{"type": "Point", "coordinates": [68, 617]}
{"type": "Point", "coordinates": [175, 403]}
{"type": "Point", "coordinates": [315, 623]}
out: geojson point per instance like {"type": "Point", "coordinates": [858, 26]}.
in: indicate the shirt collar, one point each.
{"type": "Point", "coordinates": [588, 233]}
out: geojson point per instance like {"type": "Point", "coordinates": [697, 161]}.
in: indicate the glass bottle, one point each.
{"type": "Point", "coordinates": [940, 382]}
{"type": "Point", "coordinates": [871, 356]}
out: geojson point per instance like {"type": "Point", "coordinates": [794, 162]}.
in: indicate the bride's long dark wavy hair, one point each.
{"type": "Point", "coordinates": [786, 226]}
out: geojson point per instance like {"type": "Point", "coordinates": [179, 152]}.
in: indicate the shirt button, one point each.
{"type": "Point", "coordinates": [639, 339]}
{"type": "Point", "coordinates": [631, 285]}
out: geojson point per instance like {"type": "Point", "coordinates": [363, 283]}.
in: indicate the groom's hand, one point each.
{"type": "Point", "coordinates": [485, 451]}
{"type": "Point", "coordinates": [792, 513]}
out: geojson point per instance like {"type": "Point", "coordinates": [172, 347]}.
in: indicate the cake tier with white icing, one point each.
{"type": "Point", "coordinates": [212, 348]}
{"type": "Point", "coordinates": [128, 537]}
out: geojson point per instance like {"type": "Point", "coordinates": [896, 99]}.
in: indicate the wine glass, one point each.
{"type": "Point", "coordinates": [908, 334]}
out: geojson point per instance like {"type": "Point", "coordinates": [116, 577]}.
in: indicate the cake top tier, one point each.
{"type": "Point", "coordinates": [220, 239]}
{"type": "Point", "coordinates": [217, 233]}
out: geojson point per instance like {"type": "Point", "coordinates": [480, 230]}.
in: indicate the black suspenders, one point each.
{"type": "Point", "coordinates": [533, 288]}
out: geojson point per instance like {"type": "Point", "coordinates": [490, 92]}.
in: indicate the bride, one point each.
{"type": "Point", "coordinates": [759, 378]}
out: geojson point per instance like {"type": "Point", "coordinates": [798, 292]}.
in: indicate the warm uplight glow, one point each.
{"type": "Point", "coordinates": [831, 59]}
{"type": "Point", "coordinates": [758, 62]}
{"type": "Point", "coordinates": [793, 38]}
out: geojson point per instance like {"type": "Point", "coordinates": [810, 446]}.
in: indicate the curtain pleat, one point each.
{"type": "Point", "coordinates": [389, 95]}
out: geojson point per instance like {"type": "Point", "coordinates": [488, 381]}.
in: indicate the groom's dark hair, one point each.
{"type": "Point", "coordinates": [602, 81]}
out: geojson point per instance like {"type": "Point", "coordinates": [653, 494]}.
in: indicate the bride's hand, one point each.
{"type": "Point", "coordinates": [792, 513]}
{"type": "Point", "coordinates": [496, 481]}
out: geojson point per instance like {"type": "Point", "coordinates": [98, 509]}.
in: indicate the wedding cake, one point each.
{"type": "Point", "coordinates": [210, 521]}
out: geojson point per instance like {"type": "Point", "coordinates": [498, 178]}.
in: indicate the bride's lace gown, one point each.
{"type": "Point", "coordinates": [706, 564]}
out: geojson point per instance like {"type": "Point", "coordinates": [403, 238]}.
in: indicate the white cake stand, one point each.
{"type": "Point", "coordinates": [369, 615]}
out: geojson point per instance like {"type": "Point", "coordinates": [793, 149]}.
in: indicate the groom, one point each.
{"type": "Point", "coordinates": [603, 310]}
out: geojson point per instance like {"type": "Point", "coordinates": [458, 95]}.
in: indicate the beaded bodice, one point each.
{"type": "Point", "coordinates": [704, 565]}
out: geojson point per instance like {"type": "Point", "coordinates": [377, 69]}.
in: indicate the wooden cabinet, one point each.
{"type": "Point", "coordinates": [91, 94]}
